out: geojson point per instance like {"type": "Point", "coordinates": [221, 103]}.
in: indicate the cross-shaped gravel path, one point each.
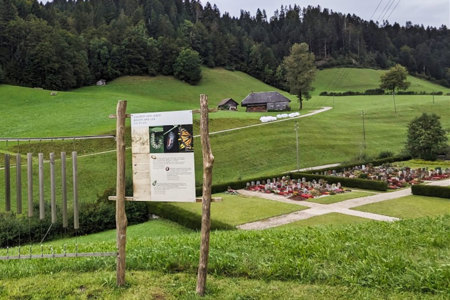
{"type": "Point", "coordinates": [316, 209]}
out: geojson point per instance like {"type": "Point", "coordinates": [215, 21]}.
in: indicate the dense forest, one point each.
{"type": "Point", "coordinates": [67, 44]}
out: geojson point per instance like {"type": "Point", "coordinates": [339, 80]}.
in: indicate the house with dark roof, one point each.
{"type": "Point", "coordinates": [266, 101]}
{"type": "Point", "coordinates": [228, 104]}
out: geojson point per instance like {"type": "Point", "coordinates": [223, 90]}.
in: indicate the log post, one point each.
{"type": "Point", "coordinates": [7, 183]}
{"type": "Point", "coordinates": [121, 217]}
{"type": "Point", "coordinates": [208, 161]}
{"type": "Point", "coordinates": [30, 183]}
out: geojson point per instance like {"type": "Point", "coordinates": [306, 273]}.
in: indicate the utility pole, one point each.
{"type": "Point", "coordinates": [296, 139]}
{"type": "Point", "coordinates": [363, 114]}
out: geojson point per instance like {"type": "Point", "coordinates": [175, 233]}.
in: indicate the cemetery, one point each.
{"type": "Point", "coordinates": [396, 176]}
{"type": "Point", "coordinates": [299, 189]}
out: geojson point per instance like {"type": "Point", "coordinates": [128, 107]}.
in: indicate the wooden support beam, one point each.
{"type": "Point", "coordinates": [208, 161]}
{"type": "Point", "coordinates": [121, 217]}
{"type": "Point", "coordinates": [7, 183]}
{"type": "Point", "coordinates": [64, 189]}
{"type": "Point", "coordinates": [30, 183]}
{"type": "Point", "coordinates": [52, 188]}
{"type": "Point", "coordinates": [112, 116]}
{"type": "Point", "coordinates": [18, 184]}
{"type": "Point", "coordinates": [199, 199]}
{"type": "Point", "coordinates": [41, 187]}
{"type": "Point", "coordinates": [76, 205]}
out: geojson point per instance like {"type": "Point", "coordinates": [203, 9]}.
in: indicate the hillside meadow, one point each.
{"type": "Point", "coordinates": [330, 137]}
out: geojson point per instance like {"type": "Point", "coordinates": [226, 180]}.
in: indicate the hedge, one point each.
{"type": "Point", "coordinates": [183, 217]}
{"type": "Point", "coordinates": [94, 217]}
{"type": "Point", "coordinates": [375, 185]}
{"type": "Point", "coordinates": [431, 191]}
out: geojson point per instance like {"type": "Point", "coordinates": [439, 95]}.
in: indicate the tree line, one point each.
{"type": "Point", "coordinates": [66, 44]}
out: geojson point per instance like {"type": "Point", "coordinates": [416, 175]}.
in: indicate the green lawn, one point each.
{"type": "Point", "coordinates": [360, 80]}
{"type": "Point", "coordinates": [340, 197]}
{"type": "Point", "coordinates": [409, 207]}
{"type": "Point", "coordinates": [328, 219]}
{"type": "Point", "coordinates": [331, 137]}
{"type": "Point", "coordinates": [348, 260]}
{"type": "Point", "coordinates": [158, 285]}
{"type": "Point", "coordinates": [236, 210]}
{"type": "Point", "coordinates": [419, 163]}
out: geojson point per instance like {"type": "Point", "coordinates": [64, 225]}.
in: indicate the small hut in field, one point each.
{"type": "Point", "coordinates": [228, 104]}
{"type": "Point", "coordinates": [266, 101]}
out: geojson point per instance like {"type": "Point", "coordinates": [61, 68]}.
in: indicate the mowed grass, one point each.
{"type": "Point", "coordinates": [409, 207]}
{"type": "Point", "coordinates": [372, 255]}
{"type": "Point", "coordinates": [340, 197]}
{"type": "Point", "coordinates": [235, 209]}
{"type": "Point", "coordinates": [158, 285]}
{"type": "Point", "coordinates": [360, 80]}
{"type": "Point", "coordinates": [327, 219]}
{"type": "Point", "coordinates": [34, 113]}
{"type": "Point", "coordinates": [419, 163]}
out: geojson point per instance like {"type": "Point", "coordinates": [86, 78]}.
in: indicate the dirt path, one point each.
{"type": "Point", "coordinates": [316, 209]}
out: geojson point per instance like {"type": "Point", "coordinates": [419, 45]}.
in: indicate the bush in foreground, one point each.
{"type": "Point", "coordinates": [431, 191]}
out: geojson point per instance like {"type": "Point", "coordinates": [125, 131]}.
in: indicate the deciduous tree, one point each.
{"type": "Point", "coordinates": [394, 80]}
{"type": "Point", "coordinates": [426, 137]}
{"type": "Point", "coordinates": [300, 71]}
{"type": "Point", "coordinates": [187, 66]}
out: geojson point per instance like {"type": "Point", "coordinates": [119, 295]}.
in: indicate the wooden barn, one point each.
{"type": "Point", "coordinates": [228, 104]}
{"type": "Point", "coordinates": [266, 101]}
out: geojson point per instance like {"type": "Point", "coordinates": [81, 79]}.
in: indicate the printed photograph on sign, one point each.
{"type": "Point", "coordinates": [171, 139]}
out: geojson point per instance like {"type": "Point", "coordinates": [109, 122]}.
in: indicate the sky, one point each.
{"type": "Point", "coordinates": [427, 12]}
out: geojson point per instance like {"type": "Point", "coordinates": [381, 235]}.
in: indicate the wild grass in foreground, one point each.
{"type": "Point", "coordinates": [405, 256]}
{"type": "Point", "coordinates": [157, 285]}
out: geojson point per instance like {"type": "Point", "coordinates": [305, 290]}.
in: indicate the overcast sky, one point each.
{"type": "Point", "coordinates": [426, 12]}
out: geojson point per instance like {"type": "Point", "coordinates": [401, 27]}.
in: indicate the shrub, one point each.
{"type": "Point", "coordinates": [187, 66]}
{"type": "Point", "coordinates": [374, 92]}
{"type": "Point", "coordinates": [385, 154]}
{"type": "Point", "coordinates": [431, 191]}
{"type": "Point", "coordinates": [183, 217]}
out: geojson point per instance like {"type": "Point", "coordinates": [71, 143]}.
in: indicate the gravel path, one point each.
{"type": "Point", "coordinates": [316, 209]}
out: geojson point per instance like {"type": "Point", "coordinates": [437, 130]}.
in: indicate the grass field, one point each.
{"type": "Point", "coordinates": [409, 207]}
{"type": "Point", "coordinates": [328, 219]}
{"type": "Point", "coordinates": [330, 137]}
{"type": "Point", "coordinates": [372, 258]}
{"type": "Point", "coordinates": [418, 163]}
{"type": "Point", "coordinates": [340, 197]}
{"type": "Point", "coordinates": [236, 210]}
{"type": "Point", "coordinates": [360, 80]}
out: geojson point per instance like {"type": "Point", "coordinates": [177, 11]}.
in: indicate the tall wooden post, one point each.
{"type": "Point", "coordinates": [18, 184]}
{"type": "Point", "coordinates": [208, 161]}
{"type": "Point", "coordinates": [30, 183]}
{"type": "Point", "coordinates": [121, 217]}
{"type": "Point", "coordinates": [7, 183]}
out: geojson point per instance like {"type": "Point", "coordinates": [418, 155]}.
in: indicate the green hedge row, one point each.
{"type": "Point", "coordinates": [375, 162]}
{"type": "Point", "coordinates": [183, 217]}
{"type": "Point", "coordinates": [431, 191]}
{"type": "Point", "coordinates": [375, 185]}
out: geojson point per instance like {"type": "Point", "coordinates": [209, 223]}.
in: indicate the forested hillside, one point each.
{"type": "Point", "coordinates": [66, 44]}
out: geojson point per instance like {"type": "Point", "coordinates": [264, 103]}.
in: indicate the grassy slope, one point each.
{"type": "Point", "coordinates": [359, 80]}
{"type": "Point", "coordinates": [374, 255]}
{"type": "Point", "coordinates": [409, 207]}
{"type": "Point", "coordinates": [334, 136]}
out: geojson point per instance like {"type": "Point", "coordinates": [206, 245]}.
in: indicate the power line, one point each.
{"type": "Point", "coordinates": [385, 9]}
{"type": "Point", "coordinates": [376, 9]}
{"type": "Point", "coordinates": [390, 6]}
{"type": "Point", "coordinates": [393, 9]}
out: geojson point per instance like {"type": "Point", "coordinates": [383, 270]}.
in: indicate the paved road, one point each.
{"type": "Point", "coordinates": [316, 209]}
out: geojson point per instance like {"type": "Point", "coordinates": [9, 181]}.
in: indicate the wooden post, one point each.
{"type": "Point", "coordinates": [76, 206]}
{"type": "Point", "coordinates": [64, 189]}
{"type": "Point", "coordinates": [52, 187]}
{"type": "Point", "coordinates": [18, 184]}
{"type": "Point", "coordinates": [7, 183]}
{"type": "Point", "coordinates": [208, 161]}
{"type": "Point", "coordinates": [30, 183]}
{"type": "Point", "coordinates": [41, 187]}
{"type": "Point", "coordinates": [121, 217]}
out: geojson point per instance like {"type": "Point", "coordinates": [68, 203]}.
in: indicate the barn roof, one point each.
{"type": "Point", "coordinates": [225, 101]}
{"type": "Point", "coordinates": [264, 98]}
